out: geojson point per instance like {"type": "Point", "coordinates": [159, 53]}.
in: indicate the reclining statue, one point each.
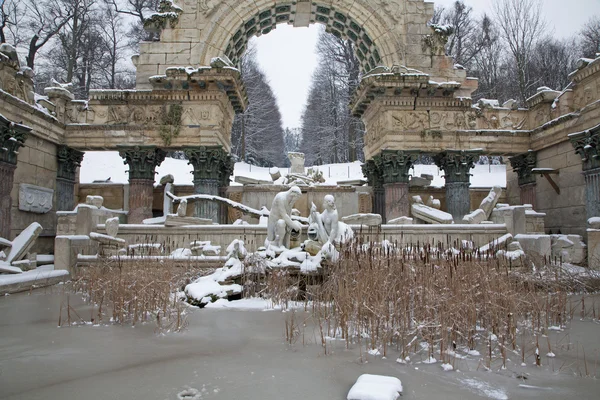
{"type": "Point", "coordinates": [280, 223]}
{"type": "Point", "coordinates": [326, 225]}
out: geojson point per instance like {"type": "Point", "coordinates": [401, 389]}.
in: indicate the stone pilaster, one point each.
{"type": "Point", "coordinates": [523, 165]}
{"type": "Point", "coordinates": [372, 170]}
{"type": "Point", "coordinates": [395, 166]}
{"type": "Point", "coordinates": [68, 161]}
{"type": "Point", "coordinates": [587, 145]}
{"type": "Point", "coordinates": [457, 165]}
{"type": "Point", "coordinates": [142, 162]}
{"type": "Point", "coordinates": [212, 170]}
{"type": "Point", "coordinates": [12, 137]}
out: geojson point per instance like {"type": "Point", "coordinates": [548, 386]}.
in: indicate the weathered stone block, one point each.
{"type": "Point", "coordinates": [537, 246]}
{"type": "Point", "coordinates": [594, 248]}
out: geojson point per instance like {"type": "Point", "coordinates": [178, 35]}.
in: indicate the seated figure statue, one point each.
{"type": "Point", "coordinates": [280, 222]}
{"type": "Point", "coordinates": [327, 225]}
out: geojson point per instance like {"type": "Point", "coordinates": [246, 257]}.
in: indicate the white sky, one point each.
{"type": "Point", "coordinates": [287, 54]}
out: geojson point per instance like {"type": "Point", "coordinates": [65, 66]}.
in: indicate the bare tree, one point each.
{"type": "Point", "coordinates": [590, 38]}
{"type": "Point", "coordinates": [43, 21]}
{"type": "Point", "coordinates": [11, 19]}
{"type": "Point", "coordinates": [552, 61]}
{"type": "Point", "coordinates": [521, 25]}
{"type": "Point", "coordinates": [257, 134]}
{"type": "Point", "coordinates": [114, 46]}
{"type": "Point", "coordinates": [139, 9]}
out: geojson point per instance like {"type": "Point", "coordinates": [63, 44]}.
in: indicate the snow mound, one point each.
{"type": "Point", "coordinates": [375, 387]}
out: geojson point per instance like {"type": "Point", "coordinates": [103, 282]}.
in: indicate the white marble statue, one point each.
{"type": "Point", "coordinates": [280, 222]}
{"type": "Point", "coordinates": [327, 225]}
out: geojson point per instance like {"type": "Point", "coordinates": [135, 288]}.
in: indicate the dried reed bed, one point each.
{"type": "Point", "coordinates": [133, 292]}
{"type": "Point", "coordinates": [435, 302]}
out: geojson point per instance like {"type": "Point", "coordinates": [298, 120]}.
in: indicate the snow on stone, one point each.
{"type": "Point", "coordinates": [101, 165]}
{"type": "Point", "coordinates": [375, 387]}
{"type": "Point", "coordinates": [41, 273]}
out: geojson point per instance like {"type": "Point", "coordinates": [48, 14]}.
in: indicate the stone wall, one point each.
{"type": "Point", "coordinates": [255, 235]}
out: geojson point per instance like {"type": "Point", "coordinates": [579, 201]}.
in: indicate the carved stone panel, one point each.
{"type": "Point", "coordinates": [35, 199]}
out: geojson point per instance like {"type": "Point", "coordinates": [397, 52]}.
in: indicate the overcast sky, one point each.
{"type": "Point", "coordinates": [288, 58]}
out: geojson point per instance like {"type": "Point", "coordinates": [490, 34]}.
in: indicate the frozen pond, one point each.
{"type": "Point", "coordinates": [228, 354]}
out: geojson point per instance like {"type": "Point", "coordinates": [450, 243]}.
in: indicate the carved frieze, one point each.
{"type": "Point", "coordinates": [35, 199]}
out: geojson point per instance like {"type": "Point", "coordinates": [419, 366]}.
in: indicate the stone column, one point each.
{"type": "Point", "coordinates": [68, 161]}
{"type": "Point", "coordinates": [456, 165]}
{"type": "Point", "coordinates": [372, 170]}
{"type": "Point", "coordinates": [395, 167]}
{"type": "Point", "coordinates": [587, 145]}
{"type": "Point", "coordinates": [12, 137]}
{"type": "Point", "coordinates": [212, 170]}
{"type": "Point", "coordinates": [142, 162]}
{"type": "Point", "coordinates": [523, 164]}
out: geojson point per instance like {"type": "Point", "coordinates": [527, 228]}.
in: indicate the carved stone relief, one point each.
{"type": "Point", "coordinates": [35, 199]}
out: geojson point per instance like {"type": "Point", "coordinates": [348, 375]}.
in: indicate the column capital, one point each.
{"type": "Point", "coordinates": [68, 161]}
{"type": "Point", "coordinates": [587, 145]}
{"type": "Point", "coordinates": [372, 169]}
{"type": "Point", "coordinates": [210, 163]}
{"type": "Point", "coordinates": [457, 164]}
{"type": "Point", "coordinates": [396, 164]}
{"type": "Point", "coordinates": [12, 137]}
{"type": "Point", "coordinates": [523, 164]}
{"type": "Point", "coordinates": [142, 160]}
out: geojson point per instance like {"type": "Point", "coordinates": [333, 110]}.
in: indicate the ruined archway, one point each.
{"type": "Point", "coordinates": [386, 32]}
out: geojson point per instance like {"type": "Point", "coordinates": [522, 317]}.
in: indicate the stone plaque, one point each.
{"type": "Point", "coordinates": [35, 199]}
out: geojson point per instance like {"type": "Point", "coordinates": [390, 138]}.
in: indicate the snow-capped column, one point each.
{"type": "Point", "coordinates": [68, 161]}
{"type": "Point", "coordinates": [374, 174]}
{"type": "Point", "coordinates": [213, 168]}
{"type": "Point", "coordinates": [12, 137]}
{"type": "Point", "coordinates": [523, 165]}
{"type": "Point", "coordinates": [395, 166]}
{"type": "Point", "coordinates": [142, 162]}
{"type": "Point", "coordinates": [457, 165]}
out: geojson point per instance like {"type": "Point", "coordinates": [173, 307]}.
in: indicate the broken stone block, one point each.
{"type": "Point", "coordinates": [363, 219]}
{"type": "Point", "coordinates": [95, 201]}
{"type": "Point", "coordinates": [182, 209]}
{"type": "Point", "coordinates": [312, 247]}
{"type": "Point", "coordinates": [167, 179]}
{"type": "Point", "coordinates": [4, 244]}
{"type": "Point", "coordinates": [275, 173]}
{"type": "Point", "coordinates": [433, 203]}
{"type": "Point", "coordinates": [489, 203]}
{"type": "Point", "coordinates": [106, 240]}
{"type": "Point", "coordinates": [430, 215]}
{"type": "Point", "coordinates": [416, 181]}
{"type": "Point", "coordinates": [8, 269]}
{"type": "Point", "coordinates": [476, 217]}
{"type": "Point", "coordinates": [594, 248]}
{"type": "Point", "coordinates": [402, 221]}
{"type": "Point", "coordinates": [23, 243]}
{"type": "Point", "coordinates": [569, 248]}
{"type": "Point", "coordinates": [594, 223]}
{"type": "Point", "coordinates": [427, 176]}
{"type": "Point", "coordinates": [514, 217]}
{"type": "Point", "coordinates": [112, 226]}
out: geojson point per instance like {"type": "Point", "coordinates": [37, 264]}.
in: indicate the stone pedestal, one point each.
{"type": "Point", "coordinates": [7, 174]}
{"type": "Point", "coordinates": [456, 166]}
{"type": "Point", "coordinates": [141, 192]}
{"type": "Point", "coordinates": [397, 203]}
{"type": "Point", "coordinates": [68, 162]}
{"type": "Point", "coordinates": [142, 162]}
{"type": "Point", "coordinates": [213, 168]}
{"type": "Point", "coordinates": [592, 192]}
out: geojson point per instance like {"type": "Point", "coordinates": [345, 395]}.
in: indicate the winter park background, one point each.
{"type": "Point", "coordinates": [199, 299]}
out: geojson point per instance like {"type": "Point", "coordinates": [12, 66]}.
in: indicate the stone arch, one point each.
{"type": "Point", "coordinates": [386, 32]}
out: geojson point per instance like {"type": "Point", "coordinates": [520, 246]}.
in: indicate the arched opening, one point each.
{"type": "Point", "coordinates": [336, 22]}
